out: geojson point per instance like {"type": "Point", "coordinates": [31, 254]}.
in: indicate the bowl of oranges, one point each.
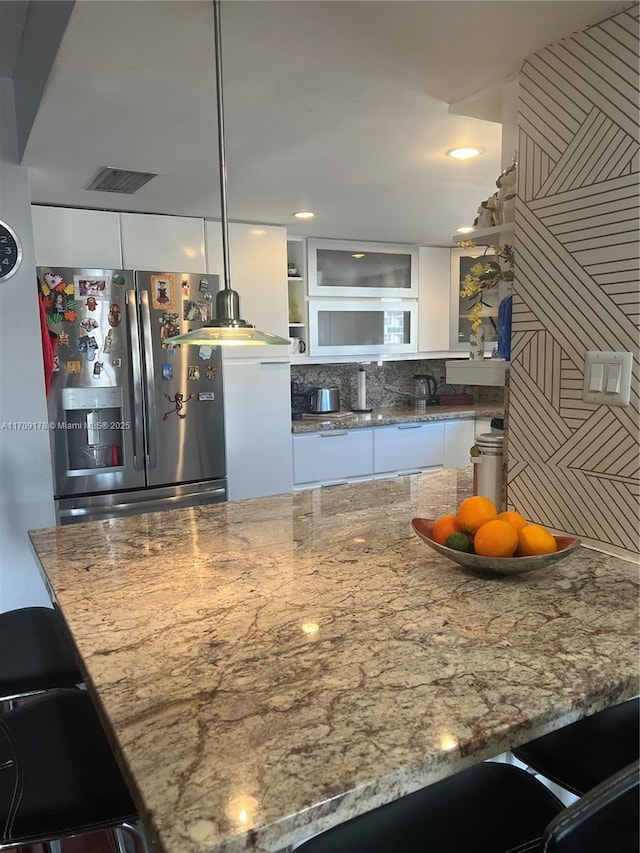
{"type": "Point", "coordinates": [480, 538]}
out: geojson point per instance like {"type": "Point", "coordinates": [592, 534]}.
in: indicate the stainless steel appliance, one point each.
{"type": "Point", "coordinates": [323, 400]}
{"type": "Point", "coordinates": [136, 425]}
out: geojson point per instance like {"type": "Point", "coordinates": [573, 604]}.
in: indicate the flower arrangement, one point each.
{"type": "Point", "coordinates": [485, 275]}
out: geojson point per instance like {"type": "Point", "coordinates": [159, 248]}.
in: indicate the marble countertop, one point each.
{"type": "Point", "coordinates": [390, 415]}
{"type": "Point", "coordinates": [271, 667]}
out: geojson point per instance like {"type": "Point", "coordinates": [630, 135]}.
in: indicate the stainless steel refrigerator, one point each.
{"type": "Point", "coordinates": [136, 425]}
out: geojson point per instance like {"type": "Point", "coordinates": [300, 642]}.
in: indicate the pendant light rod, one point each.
{"type": "Point", "coordinates": [227, 328]}
{"type": "Point", "coordinates": [221, 145]}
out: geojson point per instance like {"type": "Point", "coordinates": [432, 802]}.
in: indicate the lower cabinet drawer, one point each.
{"type": "Point", "coordinates": [334, 455]}
{"type": "Point", "coordinates": [408, 447]}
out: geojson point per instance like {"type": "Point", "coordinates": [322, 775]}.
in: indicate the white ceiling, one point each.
{"type": "Point", "coordinates": [337, 107]}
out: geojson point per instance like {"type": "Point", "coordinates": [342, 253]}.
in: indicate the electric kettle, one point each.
{"type": "Point", "coordinates": [425, 390]}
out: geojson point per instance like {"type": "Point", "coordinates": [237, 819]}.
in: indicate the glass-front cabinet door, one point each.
{"type": "Point", "coordinates": [462, 260]}
{"type": "Point", "coordinates": [342, 268]}
{"type": "Point", "coordinates": [363, 327]}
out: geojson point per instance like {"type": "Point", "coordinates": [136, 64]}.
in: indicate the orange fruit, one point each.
{"type": "Point", "coordinates": [496, 539]}
{"type": "Point", "coordinates": [513, 518]}
{"type": "Point", "coordinates": [474, 512]}
{"type": "Point", "coordinates": [443, 527]}
{"type": "Point", "coordinates": [535, 539]}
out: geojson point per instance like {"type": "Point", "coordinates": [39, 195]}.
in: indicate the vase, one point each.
{"type": "Point", "coordinates": [476, 343]}
{"type": "Point", "coordinates": [504, 328]}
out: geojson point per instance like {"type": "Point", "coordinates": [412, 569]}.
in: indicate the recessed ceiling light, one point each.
{"type": "Point", "coordinates": [359, 255]}
{"type": "Point", "coordinates": [466, 229]}
{"type": "Point", "coordinates": [304, 214]}
{"type": "Point", "coordinates": [463, 153]}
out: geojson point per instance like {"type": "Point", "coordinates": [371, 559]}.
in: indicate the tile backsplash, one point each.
{"type": "Point", "coordinates": [390, 384]}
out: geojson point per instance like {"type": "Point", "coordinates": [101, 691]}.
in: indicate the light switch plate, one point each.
{"type": "Point", "coordinates": [616, 373]}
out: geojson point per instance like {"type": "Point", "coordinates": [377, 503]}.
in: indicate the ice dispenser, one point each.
{"type": "Point", "coordinates": [93, 425]}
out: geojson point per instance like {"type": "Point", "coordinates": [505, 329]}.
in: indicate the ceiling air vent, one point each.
{"type": "Point", "coordinates": [110, 180]}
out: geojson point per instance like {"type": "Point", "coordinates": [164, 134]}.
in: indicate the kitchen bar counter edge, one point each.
{"type": "Point", "coordinates": [271, 667]}
{"type": "Point", "coordinates": [389, 415]}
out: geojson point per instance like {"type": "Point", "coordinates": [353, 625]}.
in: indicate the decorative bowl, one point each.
{"type": "Point", "coordinates": [423, 527]}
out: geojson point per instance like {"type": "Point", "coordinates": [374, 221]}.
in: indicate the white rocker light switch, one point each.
{"type": "Point", "coordinates": [596, 378]}
{"type": "Point", "coordinates": [607, 378]}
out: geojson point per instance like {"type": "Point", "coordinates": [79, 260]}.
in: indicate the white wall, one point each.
{"type": "Point", "coordinates": [26, 489]}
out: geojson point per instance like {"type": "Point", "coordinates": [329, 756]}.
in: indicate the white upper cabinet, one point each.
{"type": "Point", "coordinates": [258, 266]}
{"type": "Point", "coordinates": [168, 243]}
{"type": "Point", "coordinates": [434, 299]}
{"type": "Point", "coordinates": [65, 237]}
{"type": "Point", "coordinates": [346, 268]}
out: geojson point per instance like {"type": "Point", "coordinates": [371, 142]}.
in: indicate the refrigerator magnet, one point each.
{"type": "Point", "coordinates": [203, 287]}
{"type": "Point", "coordinates": [97, 369]}
{"type": "Point", "coordinates": [98, 288]}
{"type": "Point", "coordinates": [211, 370]}
{"type": "Point", "coordinates": [118, 279]}
{"type": "Point", "coordinates": [185, 287]}
{"type": "Point", "coordinates": [114, 314]}
{"type": "Point", "coordinates": [62, 339]}
{"type": "Point", "coordinates": [194, 372]}
{"type": "Point", "coordinates": [169, 326]}
{"type": "Point", "coordinates": [92, 303]}
{"type": "Point", "coordinates": [56, 364]}
{"type": "Point", "coordinates": [167, 371]}
{"type": "Point", "coordinates": [194, 311]}
{"type": "Point", "coordinates": [179, 401]}
{"type": "Point", "coordinates": [162, 292]}
{"type": "Point", "coordinates": [73, 367]}
{"type": "Point", "coordinates": [89, 324]}
{"type": "Point", "coordinates": [116, 362]}
{"type": "Point", "coordinates": [206, 396]}
{"type": "Point", "coordinates": [51, 281]}
{"type": "Point", "coordinates": [205, 352]}
{"type": "Point", "coordinates": [171, 350]}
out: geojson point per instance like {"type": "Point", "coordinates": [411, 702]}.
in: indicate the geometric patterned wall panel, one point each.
{"type": "Point", "coordinates": [574, 465]}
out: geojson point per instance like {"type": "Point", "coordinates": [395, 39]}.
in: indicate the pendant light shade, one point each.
{"type": "Point", "coordinates": [228, 329]}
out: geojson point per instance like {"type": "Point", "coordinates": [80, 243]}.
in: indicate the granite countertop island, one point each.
{"type": "Point", "coordinates": [399, 414]}
{"type": "Point", "coordinates": [271, 667]}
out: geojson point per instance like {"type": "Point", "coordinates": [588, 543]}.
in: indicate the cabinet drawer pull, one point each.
{"type": "Point", "coordinates": [410, 426]}
{"type": "Point", "coordinates": [333, 433]}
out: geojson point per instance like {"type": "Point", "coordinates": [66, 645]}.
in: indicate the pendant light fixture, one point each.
{"type": "Point", "coordinates": [228, 329]}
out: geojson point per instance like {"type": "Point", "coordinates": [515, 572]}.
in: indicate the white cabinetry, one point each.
{"type": "Point", "coordinates": [167, 243]}
{"type": "Point", "coordinates": [340, 456]}
{"type": "Point", "coordinates": [434, 301]}
{"type": "Point", "coordinates": [405, 448]}
{"type": "Point", "coordinates": [64, 237]}
{"type": "Point", "coordinates": [332, 457]}
{"type": "Point", "coordinates": [257, 407]}
{"type": "Point", "coordinates": [459, 437]}
{"type": "Point", "coordinates": [258, 265]}
{"type": "Point", "coordinates": [462, 259]}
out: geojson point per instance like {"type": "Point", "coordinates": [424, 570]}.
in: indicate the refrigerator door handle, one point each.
{"type": "Point", "coordinates": [152, 445]}
{"type": "Point", "coordinates": [136, 365]}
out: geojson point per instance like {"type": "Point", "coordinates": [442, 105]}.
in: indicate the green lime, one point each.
{"type": "Point", "coordinates": [459, 542]}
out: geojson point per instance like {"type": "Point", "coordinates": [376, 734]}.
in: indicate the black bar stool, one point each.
{"type": "Point", "coordinates": [37, 654]}
{"type": "Point", "coordinates": [493, 808]}
{"type": "Point", "coordinates": [488, 808]}
{"type": "Point", "coordinates": [58, 775]}
{"type": "Point", "coordinates": [582, 755]}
